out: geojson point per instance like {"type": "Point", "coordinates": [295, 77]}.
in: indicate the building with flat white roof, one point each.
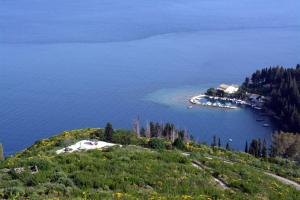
{"type": "Point", "coordinates": [228, 89]}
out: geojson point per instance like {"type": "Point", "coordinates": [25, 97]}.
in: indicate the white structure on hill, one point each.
{"type": "Point", "coordinates": [228, 89]}
{"type": "Point", "coordinates": [85, 145]}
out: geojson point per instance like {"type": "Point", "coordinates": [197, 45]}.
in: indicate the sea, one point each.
{"type": "Point", "coordinates": [69, 64]}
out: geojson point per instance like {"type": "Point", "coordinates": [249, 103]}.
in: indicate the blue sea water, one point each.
{"type": "Point", "coordinates": [67, 64]}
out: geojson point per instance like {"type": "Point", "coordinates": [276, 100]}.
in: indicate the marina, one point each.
{"type": "Point", "coordinates": [219, 102]}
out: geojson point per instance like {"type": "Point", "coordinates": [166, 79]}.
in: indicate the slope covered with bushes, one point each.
{"type": "Point", "coordinates": [142, 168]}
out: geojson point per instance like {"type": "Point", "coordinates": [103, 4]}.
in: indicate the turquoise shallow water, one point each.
{"type": "Point", "coordinates": [68, 64]}
{"type": "Point", "coordinates": [211, 119]}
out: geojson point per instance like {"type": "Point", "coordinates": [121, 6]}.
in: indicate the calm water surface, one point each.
{"type": "Point", "coordinates": [68, 64]}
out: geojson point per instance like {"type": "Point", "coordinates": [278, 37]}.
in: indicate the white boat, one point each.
{"type": "Point", "coordinates": [266, 125]}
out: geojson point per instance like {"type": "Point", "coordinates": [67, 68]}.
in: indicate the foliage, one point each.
{"type": "Point", "coordinates": [211, 92]}
{"type": "Point", "coordinates": [108, 133]}
{"type": "Point", "coordinates": [157, 143]}
{"type": "Point", "coordinates": [179, 144]}
{"type": "Point", "coordinates": [135, 172]}
{"type": "Point", "coordinates": [286, 145]}
{"type": "Point", "coordinates": [282, 86]}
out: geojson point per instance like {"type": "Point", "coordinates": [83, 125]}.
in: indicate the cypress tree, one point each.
{"type": "Point", "coordinates": [136, 127]}
{"type": "Point", "coordinates": [108, 133]}
{"type": "Point", "coordinates": [264, 149]}
{"type": "Point", "coordinates": [227, 146]}
{"type": "Point", "coordinates": [148, 131]}
{"type": "Point", "coordinates": [246, 147]}
{"type": "Point", "coordinates": [143, 132]}
{"type": "Point", "coordinates": [259, 150]}
{"type": "Point", "coordinates": [214, 143]}
{"type": "Point", "coordinates": [254, 148]}
{"type": "Point", "coordinates": [1, 152]}
{"type": "Point", "coordinates": [153, 132]}
{"type": "Point", "coordinates": [219, 142]}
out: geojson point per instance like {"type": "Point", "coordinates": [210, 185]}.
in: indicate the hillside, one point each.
{"type": "Point", "coordinates": [282, 87]}
{"type": "Point", "coordinates": [142, 168]}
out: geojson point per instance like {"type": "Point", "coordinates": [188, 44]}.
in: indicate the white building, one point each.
{"type": "Point", "coordinates": [85, 145]}
{"type": "Point", "coordinates": [229, 89]}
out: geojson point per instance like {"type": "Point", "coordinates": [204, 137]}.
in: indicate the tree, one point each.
{"type": "Point", "coordinates": [156, 143]}
{"type": "Point", "coordinates": [167, 130]}
{"type": "Point", "coordinates": [158, 130]}
{"type": "Point", "coordinates": [247, 81]}
{"type": "Point", "coordinates": [286, 145]}
{"type": "Point", "coordinates": [108, 133]}
{"type": "Point", "coordinates": [246, 147]}
{"type": "Point", "coordinates": [254, 148]}
{"type": "Point", "coordinates": [214, 143]}
{"type": "Point", "coordinates": [186, 137]}
{"type": "Point", "coordinates": [211, 92]}
{"type": "Point", "coordinates": [179, 144]}
{"type": "Point", "coordinates": [153, 130]}
{"type": "Point", "coordinates": [259, 151]}
{"type": "Point", "coordinates": [148, 131]}
{"type": "Point", "coordinates": [143, 132]}
{"type": "Point", "coordinates": [1, 152]}
{"type": "Point", "coordinates": [219, 142]}
{"type": "Point", "coordinates": [136, 127]}
{"type": "Point", "coordinates": [227, 146]}
{"type": "Point", "coordinates": [282, 86]}
{"type": "Point", "coordinates": [264, 149]}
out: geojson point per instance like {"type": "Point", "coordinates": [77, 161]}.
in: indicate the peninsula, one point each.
{"type": "Point", "coordinates": [228, 97]}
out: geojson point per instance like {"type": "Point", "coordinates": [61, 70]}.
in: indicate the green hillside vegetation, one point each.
{"type": "Point", "coordinates": [143, 168]}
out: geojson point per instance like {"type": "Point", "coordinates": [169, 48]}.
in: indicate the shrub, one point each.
{"type": "Point", "coordinates": [31, 181]}
{"type": "Point", "coordinates": [124, 137]}
{"type": "Point", "coordinates": [179, 144]}
{"type": "Point", "coordinates": [13, 192]}
{"type": "Point", "coordinates": [156, 143]}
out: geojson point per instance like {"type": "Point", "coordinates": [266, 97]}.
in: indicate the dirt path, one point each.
{"type": "Point", "coordinates": [198, 165]}
{"type": "Point", "coordinates": [284, 180]}
{"type": "Point", "coordinates": [223, 185]}
{"type": "Point", "coordinates": [279, 178]}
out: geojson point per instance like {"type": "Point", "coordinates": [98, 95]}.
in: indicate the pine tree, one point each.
{"type": "Point", "coordinates": [108, 133]}
{"type": "Point", "coordinates": [283, 86]}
